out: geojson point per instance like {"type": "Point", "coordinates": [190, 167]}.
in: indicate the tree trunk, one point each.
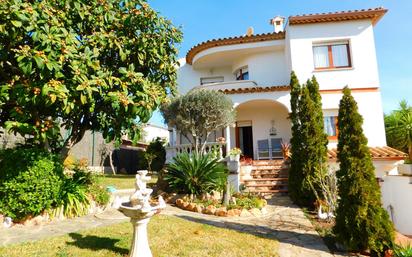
{"type": "Point", "coordinates": [410, 151]}
{"type": "Point", "coordinates": [111, 162]}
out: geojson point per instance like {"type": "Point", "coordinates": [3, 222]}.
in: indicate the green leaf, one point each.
{"type": "Point", "coordinates": [39, 61]}
{"type": "Point", "coordinates": [16, 23]}
{"type": "Point", "coordinates": [83, 99]}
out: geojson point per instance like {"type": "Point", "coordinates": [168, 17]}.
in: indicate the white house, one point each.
{"type": "Point", "coordinates": [254, 70]}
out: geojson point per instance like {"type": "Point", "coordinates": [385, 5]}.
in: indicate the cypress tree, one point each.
{"type": "Point", "coordinates": [295, 171]}
{"type": "Point", "coordinates": [313, 147]}
{"type": "Point", "coordinates": [308, 142]}
{"type": "Point", "coordinates": [361, 222]}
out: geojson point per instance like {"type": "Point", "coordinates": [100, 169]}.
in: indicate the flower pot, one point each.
{"type": "Point", "coordinates": [234, 157]}
{"type": "Point", "coordinates": [245, 171]}
{"type": "Point", "coordinates": [405, 169]}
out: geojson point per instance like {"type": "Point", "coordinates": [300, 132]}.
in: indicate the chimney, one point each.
{"type": "Point", "coordinates": [278, 23]}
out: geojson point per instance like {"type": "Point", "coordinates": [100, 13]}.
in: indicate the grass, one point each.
{"type": "Point", "coordinates": [168, 236]}
{"type": "Point", "coordinates": [122, 181]}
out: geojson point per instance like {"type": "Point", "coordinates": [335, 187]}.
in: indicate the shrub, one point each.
{"type": "Point", "coordinates": [99, 194]}
{"type": "Point", "coordinates": [30, 181]}
{"type": "Point", "coordinates": [361, 222]}
{"type": "Point", "coordinates": [196, 174]}
{"type": "Point", "coordinates": [74, 199]}
{"type": "Point", "coordinates": [157, 148]}
{"type": "Point", "coordinates": [402, 251]}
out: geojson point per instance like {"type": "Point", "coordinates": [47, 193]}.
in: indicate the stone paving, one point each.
{"type": "Point", "coordinates": [283, 222]}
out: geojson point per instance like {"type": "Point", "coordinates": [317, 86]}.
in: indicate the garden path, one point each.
{"type": "Point", "coordinates": [283, 222]}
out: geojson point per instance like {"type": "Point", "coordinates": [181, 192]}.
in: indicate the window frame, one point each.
{"type": "Point", "coordinates": [330, 55]}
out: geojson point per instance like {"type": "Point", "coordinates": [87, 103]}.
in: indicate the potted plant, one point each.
{"type": "Point", "coordinates": [246, 165]}
{"type": "Point", "coordinates": [234, 154]}
{"type": "Point", "coordinates": [285, 150]}
{"type": "Point", "coordinates": [399, 133]}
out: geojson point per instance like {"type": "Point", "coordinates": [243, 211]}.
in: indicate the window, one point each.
{"type": "Point", "coordinates": [331, 56]}
{"type": "Point", "coordinates": [210, 80]}
{"type": "Point", "coordinates": [242, 74]}
{"type": "Point", "coordinates": [330, 125]}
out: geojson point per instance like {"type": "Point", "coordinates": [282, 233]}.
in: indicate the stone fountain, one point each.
{"type": "Point", "coordinates": [140, 211]}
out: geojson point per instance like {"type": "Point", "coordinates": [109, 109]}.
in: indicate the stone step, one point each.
{"type": "Point", "coordinates": [267, 162]}
{"type": "Point", "coordinates": [269, 191]}
{"type": "Point", "coordinates": [257, 168]}
{"type": "Point", "coordinates": [266, 179]}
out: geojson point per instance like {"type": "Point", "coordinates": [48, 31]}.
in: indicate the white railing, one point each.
{"type": "Point", "coordinates": [172, 151]}
{"type": "Point", "coordinates": [229, 85]}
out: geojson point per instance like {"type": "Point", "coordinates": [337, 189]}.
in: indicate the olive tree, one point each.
{"type": "Point", "coordinates": [199, 113]}
{"type": "Point", "coordinates": [102, 65]}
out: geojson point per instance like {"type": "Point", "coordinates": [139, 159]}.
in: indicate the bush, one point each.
{"type": "Point", "coordinates": [196, 174]}
{"type": "Point", "coordinates": [156, 148]}
{"type": "Point", "coordinates": [30, 182]}
{"type": "Point", "coordinates": [403, 251]}
{"type": "Point", "coordinates": [74, 199]}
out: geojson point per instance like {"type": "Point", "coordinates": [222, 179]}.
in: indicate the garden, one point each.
{"type": "Point", "coordinates": [61, 77]}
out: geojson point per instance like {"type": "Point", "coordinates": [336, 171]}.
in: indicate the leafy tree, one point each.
{"type": "Point", "coordinates": [157, 151]}
{"type": "Point", "coordinates": [399, 128]}
{"type": "Point", "coordinates": [101, 65]}
{"type": "Point", "coordinates": [361, 222]}
{"type": "Point", "coordinates": [199, 113]}
{"type": "Point", "coordinates": [309, 142]}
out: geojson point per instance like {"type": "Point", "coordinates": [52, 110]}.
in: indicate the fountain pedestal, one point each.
{"type": "Point", "coordinates": [140, 211]}
{"type": "Point", "coordinates": [140, 243]}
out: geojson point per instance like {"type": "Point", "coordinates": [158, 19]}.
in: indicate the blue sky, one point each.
{"type": "Point", "coordinates": [202, 20]}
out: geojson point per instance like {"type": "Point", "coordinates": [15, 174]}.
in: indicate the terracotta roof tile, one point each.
{"type": "Point", "coordinates": [374, 13]}
{"type": "Point", "coordinates": [245, 90]}
{"type": "Point", "coordinates": [377, 153]}
{"type": "Point", "coordinates": [232, 41]}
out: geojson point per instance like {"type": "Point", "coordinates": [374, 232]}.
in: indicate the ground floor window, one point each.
{"type": "Point", "coordinates": [330, 125]}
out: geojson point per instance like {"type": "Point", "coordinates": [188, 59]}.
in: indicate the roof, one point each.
{"type": "Point", "coordinates": [231, 41]}
{"type": "Point", "coordinates": [377, 153]}
{"type": "Point", "coordinates": [375, 14]}
{"type": "Point", "coordinates": [244, 90]}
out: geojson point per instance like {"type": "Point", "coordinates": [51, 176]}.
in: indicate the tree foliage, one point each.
{"type": "Point", "coordinates": [361, 222]}
{"type": "Point", "coordinates": [199, 113]}
{"type": "Point", "coordinates": [309, 142]}
{"type": "Point", "coordinates": [96, 65]}
{"type": "Point", "coordinates": [399, 128]}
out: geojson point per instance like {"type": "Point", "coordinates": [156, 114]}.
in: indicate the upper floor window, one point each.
{"type": "Point", "coordinates": [331, 55]}
{"type": "Point", "coordinates": [210, 80]}
{"type": "Point", "coordinates": [330, 124]}
{"type": "Point", "coordinates": [242, 74]}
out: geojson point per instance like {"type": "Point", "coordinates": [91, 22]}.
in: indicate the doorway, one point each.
{"type": "Point", "coordinates": [244, 138]}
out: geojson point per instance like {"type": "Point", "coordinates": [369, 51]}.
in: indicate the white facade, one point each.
{"type": "Point", "coordinates": [266, 61]}
{"type": "Point", "coordinates": [152, 131]}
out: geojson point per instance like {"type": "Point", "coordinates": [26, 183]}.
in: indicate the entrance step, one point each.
{"type": "Point", "coordinates": [267, 177]}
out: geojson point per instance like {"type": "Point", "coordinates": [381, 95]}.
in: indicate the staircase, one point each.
{"type": "Point", "coordinates": [268, 177]}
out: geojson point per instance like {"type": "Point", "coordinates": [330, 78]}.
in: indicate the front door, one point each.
{"type": "Point", "coordinates": [246, 141]}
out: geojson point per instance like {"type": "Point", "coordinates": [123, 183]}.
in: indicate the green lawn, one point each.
{"type": "Point", "coordinates": [168, 236]}
{"type": "Point", "coordinates": [122, 181]}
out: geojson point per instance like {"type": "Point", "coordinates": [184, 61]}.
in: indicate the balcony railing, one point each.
{"type": "Point", "coordinates": [228, 85]}
{"type": "Point", "coordinates": [172, 151]}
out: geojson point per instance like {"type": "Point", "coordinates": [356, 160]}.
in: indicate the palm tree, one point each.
{"type": "Point", "coordinates": [399, 128]}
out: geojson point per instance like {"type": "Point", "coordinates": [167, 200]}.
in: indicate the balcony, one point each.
{"type": "Point", "coordinates": [229, 85]}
